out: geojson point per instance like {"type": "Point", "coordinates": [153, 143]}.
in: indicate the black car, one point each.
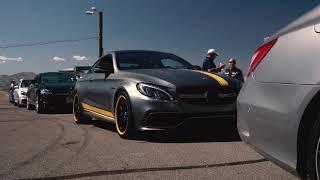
{"type": "Point", "coordinates": [50, 90]}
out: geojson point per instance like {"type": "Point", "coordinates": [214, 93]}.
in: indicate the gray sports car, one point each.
{"type": "Point", "coordinates": [149, 90]}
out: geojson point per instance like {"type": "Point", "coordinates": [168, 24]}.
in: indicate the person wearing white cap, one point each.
{"type": "Point", "coordinates": [209, 65]}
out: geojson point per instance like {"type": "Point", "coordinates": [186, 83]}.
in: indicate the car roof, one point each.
{"type": "Point", "coordinates": [137, 51]}
{"type": "Point", "coordinates": [55, 73]}
{"type": "Point", "coordinates": [312, 17]}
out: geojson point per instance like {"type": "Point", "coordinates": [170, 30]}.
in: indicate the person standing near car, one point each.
{"type": "Point", "coordinates": [209, 65]}
{"type": "Point", "coordinates": [233, 71]}
{"type": "Point", "coordinates": [12, 85]}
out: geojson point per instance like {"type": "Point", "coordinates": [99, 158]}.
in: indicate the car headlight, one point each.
{"type": "Point", "coordinates": [154, 92]}
{"type": "Point", "coordinates": [45, 91]}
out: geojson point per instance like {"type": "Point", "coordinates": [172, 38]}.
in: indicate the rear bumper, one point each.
{"type": "Point", "coordinates": [268, 118]}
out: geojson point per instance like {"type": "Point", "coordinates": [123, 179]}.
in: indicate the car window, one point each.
{"type": "Point", "coordinates": [57, 78]}
{"type": "Point", "coordinates": [25, 83]}
{"type": "Point", "coordinates": [105, 62]}
{"type": "Point", "coordinates": [94, 66]}
{"type": "Point", "coordinates": [150, 60]}
{"type": "Point", "coordinates": [170, 63]}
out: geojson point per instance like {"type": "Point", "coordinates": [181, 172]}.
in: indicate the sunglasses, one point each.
{"type": "Point", "coordinates": [231, 62]}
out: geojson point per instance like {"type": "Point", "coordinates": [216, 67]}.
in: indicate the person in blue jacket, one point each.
{"type": "Point", "coordinates": [233, 71]}
{"type": "Point", "coordinates": [208, 64]}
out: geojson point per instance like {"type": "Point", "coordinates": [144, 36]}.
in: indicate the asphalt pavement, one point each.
{"type": "Point", "coordinates": [52, 146]}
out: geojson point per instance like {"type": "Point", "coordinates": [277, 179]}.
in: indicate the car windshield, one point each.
{"type": "Point", "coordinates": [25, 83]}
{"type": "Point", "coordinates": [150, 60]}
{"type": "Point", "coordinates": [57, 78]}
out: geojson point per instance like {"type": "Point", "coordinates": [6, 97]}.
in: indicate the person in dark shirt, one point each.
{"type": "Point", "coordinates": [209, 65]}
{"type": "Point", "coordinates": [233, 71]}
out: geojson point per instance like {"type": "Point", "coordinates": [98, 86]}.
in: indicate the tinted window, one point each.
{"type": "Point", "coordinates": [25, 83]}
{"type": "Point", "coordinates": [57, 78]}
{"type": "Point", "coordinates": [150, 60]}
{"type": "Point", "coordinates": [105, 62]}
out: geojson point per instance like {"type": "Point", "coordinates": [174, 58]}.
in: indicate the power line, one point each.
{"type": "Point", "coordinates": [48, 42]}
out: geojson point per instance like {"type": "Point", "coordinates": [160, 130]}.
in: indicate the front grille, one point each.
{"type": "Point", "coordinates": [173, 119]}
{"type": "Point", "coordinates": [61, 91]}
{"type": "Point", "coordinates": [208, 96]}
{"type": "Point", "coordinates": [24, 101]}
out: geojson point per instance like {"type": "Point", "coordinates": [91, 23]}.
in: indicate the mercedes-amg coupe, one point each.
{"type": "Point", "coordinates": [149, 90]}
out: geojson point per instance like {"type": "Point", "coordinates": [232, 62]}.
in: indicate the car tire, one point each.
{"type": "Point", "coordinates": [313, 157]}
{"type": "Point", "coordinates": [123, 116]}
{"type": "Point", "coordinates": [39, 106]}
{"type": "Point", "coordinates": [29, 106]}
{"type": "Point", "coordinates": [77, 111]}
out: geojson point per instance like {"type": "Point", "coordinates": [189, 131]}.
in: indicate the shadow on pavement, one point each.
{"type": "Point", "coordinates": [60, 110]}
{"type": "Point", "coordinates": [152, 169]}
{"type": "Point", "coordinates": [211, 130]}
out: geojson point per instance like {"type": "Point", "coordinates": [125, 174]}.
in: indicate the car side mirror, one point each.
{"type": "Point", "coordinates": [107, 70]}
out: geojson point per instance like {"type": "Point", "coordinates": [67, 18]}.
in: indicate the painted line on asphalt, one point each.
{"type": "Point", "coordinates": [126, 171]}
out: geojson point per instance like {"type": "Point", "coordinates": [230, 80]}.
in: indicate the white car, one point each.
{"type": "Point", "coordinates": [20, 92]}
{"type": "Point", "coordinates": [279, 105]}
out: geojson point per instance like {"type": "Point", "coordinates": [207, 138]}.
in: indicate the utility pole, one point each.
{"type": "Point", "coordinates": [100, 34]}
{"type": "Point", "coordinates": [94, 11]}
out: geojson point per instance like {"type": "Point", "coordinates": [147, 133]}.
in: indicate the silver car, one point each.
{"type": "Point", "coordinates": [149, 90]}
{"type": "Point", "coordinates": [20, 92]}
{"type": "Point", "coordinates": [278, 107]}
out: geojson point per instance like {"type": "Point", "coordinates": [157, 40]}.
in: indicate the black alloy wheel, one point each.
{"type": "Point", "coordinates": [77, 110]}
{"type": "Point", "coordinates": [39, 106]}
{"type": "Point", "coordinates": [313, 156]}
{"type": "Point", "coordinates": [29, 106]}
{"type": "Point", "coordinates": [123, 116]}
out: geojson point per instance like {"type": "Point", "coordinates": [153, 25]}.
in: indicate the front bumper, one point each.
{"type": "Point", "coordinates": [56, 100]}
{"type": "Point", "coordinates": [150, 114]}
{"type": "Point", "coordinates": [22, 99]}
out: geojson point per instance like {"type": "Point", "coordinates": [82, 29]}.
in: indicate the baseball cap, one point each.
{"type": "Point", "coordinates": [213, 51]}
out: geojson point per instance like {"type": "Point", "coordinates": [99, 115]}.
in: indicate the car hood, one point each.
{"type": "Point", "coordinates": [181, 78]}
{"type": "Point", "coordinates": [25, 89]}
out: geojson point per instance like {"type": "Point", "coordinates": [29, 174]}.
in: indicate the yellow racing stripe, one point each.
{"type": "Point", "coordinates": [219, 79]}
{"type": "Point", "coordinates": [97, 110]}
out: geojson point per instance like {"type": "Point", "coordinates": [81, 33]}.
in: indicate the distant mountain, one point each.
{"type": "Point", "coordinates": [5, 80]}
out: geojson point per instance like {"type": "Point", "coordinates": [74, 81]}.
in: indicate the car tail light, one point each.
{"type": "Point", "coordinates": [260, 53]}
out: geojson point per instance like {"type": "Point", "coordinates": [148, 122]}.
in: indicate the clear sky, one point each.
{"type": "Point", "coordinates": [187, 28]}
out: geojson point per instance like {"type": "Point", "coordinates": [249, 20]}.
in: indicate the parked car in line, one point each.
{"type": "Point", "coordinates": [20, 93]}
{"type": "Point", "coordinates": [149, 90]}
{"type": "Point", "coordinates": [51, 90]}
{"type": "Point", "coordinates": [278, 106]}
